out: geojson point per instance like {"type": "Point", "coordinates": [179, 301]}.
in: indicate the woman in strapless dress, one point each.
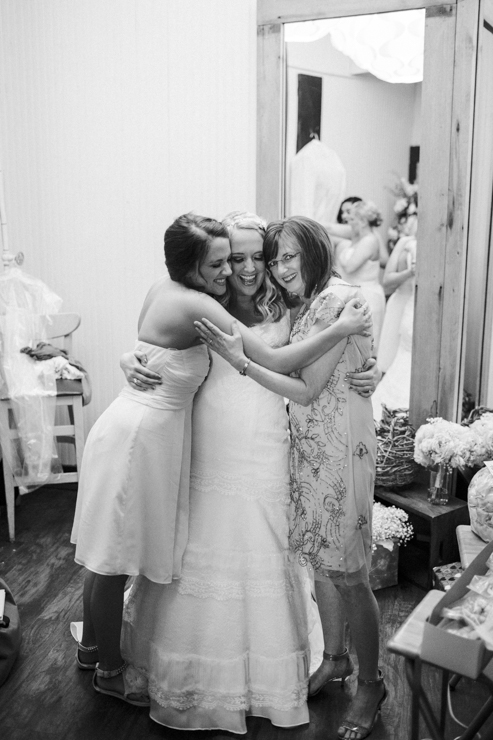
{"type": "Point", "coordinates": [360, 260]}
{"type": "Point", "coordinates": [132, 508]}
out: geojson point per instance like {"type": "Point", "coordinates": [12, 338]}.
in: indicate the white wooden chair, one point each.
{"type": "Point", "coordinates": [69, 397]}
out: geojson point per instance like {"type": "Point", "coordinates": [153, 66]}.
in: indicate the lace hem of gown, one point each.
{"type": "Point", "coordinates": [233, 703]}
{"type": "Point", "coordinates": [205, 480]}
{"type": "Point", "coordinates": [246, 681]}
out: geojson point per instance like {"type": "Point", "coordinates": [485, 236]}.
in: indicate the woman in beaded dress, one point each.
{"type": "Point", "coordinates": [333, 448]}
{"type": "Point", "coordinates": [229, 639]}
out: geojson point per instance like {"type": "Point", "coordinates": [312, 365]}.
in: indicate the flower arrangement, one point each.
{"type": "Point", "coordinates": [483, 429]}
{"type": "Point", "coordinates": [406, 205]}
{"type": "Point", "coordinates": [390, 523]}
{"type": "Point", "coordinates": [441, 442]}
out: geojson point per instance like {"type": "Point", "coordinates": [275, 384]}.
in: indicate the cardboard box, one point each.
{"type": "Point", "coordinates": [457, 654]}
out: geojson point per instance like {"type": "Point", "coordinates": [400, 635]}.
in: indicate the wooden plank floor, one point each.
{"type": "Point", "coordinates": [47, 698]}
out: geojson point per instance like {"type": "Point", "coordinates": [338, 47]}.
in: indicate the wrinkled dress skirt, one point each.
{"type": "Point", "coordinates": [133, 499]}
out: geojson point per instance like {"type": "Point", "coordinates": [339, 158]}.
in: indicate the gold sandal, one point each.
{"type": "Point", "coordinates": [335, 657]}
{"type": "Point", "coordinates": [133, 685]}
{"type": "Point", "coordinates": [349, 727]}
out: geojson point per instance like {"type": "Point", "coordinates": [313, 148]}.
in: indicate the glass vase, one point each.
{"type": "Point", "coordinates": [440, 486]}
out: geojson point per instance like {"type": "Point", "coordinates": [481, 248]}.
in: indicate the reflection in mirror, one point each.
{"type": "Point", "coordinates": [351, 158]}
{"type": "Point", "coordinates": [478, 334]}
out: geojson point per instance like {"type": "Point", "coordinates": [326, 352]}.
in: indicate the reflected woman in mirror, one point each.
{"type": "Point", "coordinates": [333, 448]}
{"type": "Point", "coordinates": [229, 638]}
{"type": "Point", "coordinates": [341, 230]}
{"type": "Point", "coordinates": [395, 349]}
{"type": "Point", "coordinates": [359, 259]}
{"type": "Point", "coordinates": [345, 207]}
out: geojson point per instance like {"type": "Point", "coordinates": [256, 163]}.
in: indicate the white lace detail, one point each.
{"type": "Point", "coordinates": [226, 590]}
{"type": "Point", "coordinates": [245, 681]}
{"type": "Point", "coordinates": [211, 699]}
{"type": "Point", "coordinates": [135, 681]}
{"type": "Point", "coordinates": [206, 480]}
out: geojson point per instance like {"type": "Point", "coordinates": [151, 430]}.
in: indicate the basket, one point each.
{"type": "Point", "coordinates": [396, 466]}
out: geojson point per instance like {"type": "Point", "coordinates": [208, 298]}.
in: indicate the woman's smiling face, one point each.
{"type": "Point", "coordinates": [286, 267]}
{"type": "Point", "coordinates": [247, 261]}
{"type": "Point", "coordinates": [212, 273]}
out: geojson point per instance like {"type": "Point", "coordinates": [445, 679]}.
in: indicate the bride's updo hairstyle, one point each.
{"type": "Point", "coordinates": [315, 248]}
{"type": "Point", "coordinates": [368, 211]}
{"type": "Point", "coordinates": [186, 244]}
{"type": "Point", "coordinates": [268, 299]}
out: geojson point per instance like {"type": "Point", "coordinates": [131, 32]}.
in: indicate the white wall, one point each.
{"type": "Point", "coordinates": [116, 117]}
{"type": "Point", "coordinates": [369, 123]}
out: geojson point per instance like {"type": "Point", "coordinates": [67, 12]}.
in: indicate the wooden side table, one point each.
{"type": "Point", "coordinates": [407, 642]}
{"type": "Point", "coordinates": [439, 521]}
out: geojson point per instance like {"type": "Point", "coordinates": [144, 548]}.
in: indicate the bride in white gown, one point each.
{"type": "Point", "coordinates": [230, 637]}
{"type": "Point", "coordinates": [395, 351]}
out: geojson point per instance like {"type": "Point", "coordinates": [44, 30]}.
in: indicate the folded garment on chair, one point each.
{"type": "Point", "coordinates": [66, 368]}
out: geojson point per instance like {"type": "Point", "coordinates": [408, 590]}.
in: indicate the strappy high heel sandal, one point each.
{"type": "Point", "coordinates": [83, 649]}
{"type": "Point", "coordinates": [134, 689]}
{"type": "Point", "coordinates": [334, 658]}
{"type": "Point", "coordinates": [350, 730]}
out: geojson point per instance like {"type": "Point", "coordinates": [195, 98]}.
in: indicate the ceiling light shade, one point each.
{"type": "Point", "coordinates": [389, 45]}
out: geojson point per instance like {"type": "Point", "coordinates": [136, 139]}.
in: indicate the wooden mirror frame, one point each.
{"type": "Point", "coordinates": [451, 41]}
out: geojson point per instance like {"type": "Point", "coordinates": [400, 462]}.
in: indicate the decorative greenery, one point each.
{"type": "Point", "coordinates": [390, 523]}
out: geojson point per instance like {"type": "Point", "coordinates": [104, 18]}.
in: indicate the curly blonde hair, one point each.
{"type": "Point", "coordinates": [368, 210]}
{"type": "Point", "coordinates": [268, 299]}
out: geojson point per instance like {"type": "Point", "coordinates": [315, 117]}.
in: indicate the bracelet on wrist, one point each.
{"type": "Point", "coordinates": [244, 368]}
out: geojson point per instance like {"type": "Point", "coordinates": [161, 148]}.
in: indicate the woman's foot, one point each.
{"type": "Point", "coordinates": [363, 710]}
{"type": "Point", "coordinates": [334, 667]}
{"type": "Point", "coordinates": [124, 683]}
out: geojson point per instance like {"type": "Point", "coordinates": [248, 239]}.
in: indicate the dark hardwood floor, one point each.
{"type": "Point", "coordinates": [47, 698]}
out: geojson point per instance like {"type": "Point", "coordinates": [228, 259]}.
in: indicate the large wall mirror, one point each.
{"type": "Point", "coordinates": [316, 89]}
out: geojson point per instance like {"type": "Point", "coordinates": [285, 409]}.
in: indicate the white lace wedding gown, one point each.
{"type": "Point", "coordinates": [230, 638]}
{"type": "Point", "coordinates": [394, 389]}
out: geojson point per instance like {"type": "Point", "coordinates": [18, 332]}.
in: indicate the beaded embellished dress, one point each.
{"type": "Point", "coordinates": [230, 638]}
{"type": "Point", "coordinates": [333, 449]}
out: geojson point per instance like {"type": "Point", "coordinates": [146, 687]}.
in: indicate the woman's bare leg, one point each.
{"type": "Point", "coordinates": [361, 610]}
{"type": "Point", "coordinates": [332, 617]}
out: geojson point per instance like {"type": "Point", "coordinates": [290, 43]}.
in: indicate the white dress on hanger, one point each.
{"type": "Point", "coordinates": [317, 183]}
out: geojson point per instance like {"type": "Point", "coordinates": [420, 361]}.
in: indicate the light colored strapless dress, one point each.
{"type": "Point", "coordinates": [133, 499]}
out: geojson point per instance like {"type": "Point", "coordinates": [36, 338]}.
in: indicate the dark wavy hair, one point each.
{"type": "Point", "coordinates": [186, 245]}
{"type": "Point", "coordinates": [316, 253]}
{"type": "Point", "coordinates": [352, 199]}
